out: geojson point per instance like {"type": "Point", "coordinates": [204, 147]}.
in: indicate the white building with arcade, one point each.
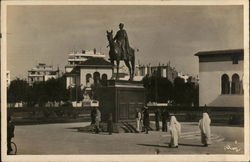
{"type": "Point", "coordinates": [87, 67]}
{"type": "Point", "coordinates": [221, 78]}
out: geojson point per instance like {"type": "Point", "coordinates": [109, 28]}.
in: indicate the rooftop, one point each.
{"type": "Point", "coordinates": [96, 62]}
{"type": "Point", "coordinates": [220, 52]}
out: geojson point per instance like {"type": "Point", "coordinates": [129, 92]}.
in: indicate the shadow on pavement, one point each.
{"type": "Point", "coordinates": [192, 145]}
{"type": "Point", "coordinates": [74, 128]}
{"type": "Point", "coordinates": [220, 124]}
{"type": "Point", "coordinates": [165, 146]}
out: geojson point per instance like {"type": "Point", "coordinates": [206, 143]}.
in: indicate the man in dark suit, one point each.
{"type": "Point", "coordinates": [146, 119]}
{"type": "Point", "coordinates": [157, 119]}
{"type": "Point", "coordinates": [164, 120]}
{"type": "Point", "coordinates": [110, 123]}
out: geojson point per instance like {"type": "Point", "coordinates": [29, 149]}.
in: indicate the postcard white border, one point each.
{"type": "Point", "coordinates": [111, 158]}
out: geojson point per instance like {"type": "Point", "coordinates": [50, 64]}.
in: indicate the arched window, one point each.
{"type": "Point", "coordinates": [88, 76]}
{"type": "Point", "coordinates": [104, 79]}
{"type": "Point", "coordinates": [96, 77]}
{"type": "Point", "coordinates": [225, 85]}
{"type": "Point", "coordinates": [235, 87]}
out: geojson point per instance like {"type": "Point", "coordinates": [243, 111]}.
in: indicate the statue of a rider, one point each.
{"type": "Point", "coordinates": [121, 38]}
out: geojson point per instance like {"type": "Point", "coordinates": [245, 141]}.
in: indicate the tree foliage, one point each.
{"type": "Point", "coordinates": [39, 93]}
{"type": "Point", "coordinates": [18, 90]}
{"type": "Point", "coordinates": [161, 90]}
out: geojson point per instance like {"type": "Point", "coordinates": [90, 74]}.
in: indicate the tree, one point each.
{"type": "Point", "coordinates": [179, 91]}
{"type": "Point", "coordinates": [18, 91]}
{"type": "Point", "coordinates": [165, 90]}
{"type": "Point", "coordinates": [56, 89]}
{"type": "Point", "coordinates": [158, 89]}
{"type": "Point", "coordinates": [185, 93]}
{"type": "Point", "coordinates": [39, 92]}
{"type": "Point", "coordinates": [76, 93]}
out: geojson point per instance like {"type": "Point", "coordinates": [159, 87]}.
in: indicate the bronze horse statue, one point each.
{"type": "Point", "coordinates": [116, 55]}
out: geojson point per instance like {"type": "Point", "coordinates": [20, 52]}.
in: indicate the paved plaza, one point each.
{"type": "Point", "coordinates": [64, 138]}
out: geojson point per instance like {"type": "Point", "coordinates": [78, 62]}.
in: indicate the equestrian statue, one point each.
{"type": "Point", "coordinates": [119, 49]}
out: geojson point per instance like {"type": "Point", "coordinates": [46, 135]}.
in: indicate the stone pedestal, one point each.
{"type": "Point", "coordinates": [121, 98]}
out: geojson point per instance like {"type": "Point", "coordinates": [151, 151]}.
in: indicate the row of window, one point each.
{"type": "Point", "coordinates": [235, 87]}
{"type": "Point", "coordinates": [42, 73]}
{"type": "Point", "coordinates": [97, 78]}
{"type": "Point", "coordinates": [33, 79]}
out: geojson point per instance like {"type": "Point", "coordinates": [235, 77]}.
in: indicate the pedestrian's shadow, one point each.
{"type": "Point", "coordinates": [165, 146]}
{"type": "Point", "coordinates": [192, 145]}
{"type": "Point", "coordinates": [86, 129]}
{"type": "Point", "coordinates": [73, 128]}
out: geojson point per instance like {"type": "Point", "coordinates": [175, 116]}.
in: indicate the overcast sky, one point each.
{"type": "Point", "coordinates": [46, 34]}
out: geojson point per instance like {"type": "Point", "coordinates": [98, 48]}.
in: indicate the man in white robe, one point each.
{"type": "Point", "coordinates": [204, 125]}
{"type": "Point", "coordinates": [175, 131]}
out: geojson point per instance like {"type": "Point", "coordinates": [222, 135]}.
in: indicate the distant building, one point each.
{"type": "Point", "coordinates": [41, 72]}
{"type": "Point", "coordinates": [183, 76]}
{"type": "Point", "coordinates": [92, 71]}
{"type": "Point", "coordinates": [86, 67]}
{"type": "Point", "coordinates": [165, 71]}
{"type": "Point", "coordinates": [221, 78]}
{"type": "Point", "coordinates": [76, 58]}
{"type": "Point", "coordinates": [8, 78]}
{"type": "Point", "coordinates": [193, 79]}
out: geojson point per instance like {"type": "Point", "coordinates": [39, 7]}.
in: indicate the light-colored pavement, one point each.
{"type": "Point", "coordinates": [65, 139]}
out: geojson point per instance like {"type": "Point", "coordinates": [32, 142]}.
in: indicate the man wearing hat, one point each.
{"type": "Point", "coordinates": [121, 38]}
{"type": "Point", "coordinates": [146, 119]}
{"type": "Point", "coordinates": [97, 120]}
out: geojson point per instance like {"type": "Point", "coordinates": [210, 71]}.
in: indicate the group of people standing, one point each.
{"type": "Point", "coordinates": [142, 120]}
{"type": "Point", "coordinates": [143, 124]}
{"type": "Point", "coordinates": [96, 119]}
{"type": "Point", "coordinates": [144, 117]}
{"type": "Point", "coordinates": [174, 126]}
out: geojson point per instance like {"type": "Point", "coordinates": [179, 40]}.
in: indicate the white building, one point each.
{"type": "Point", "coordinates": [183, 76]}
{"type": "Point", "coordinates": [41, 72]}
{"type": "Point", "coordinates": [221, 78]}
{"type": "Point", "coordinates": [87, 67]}
{"type": "Point", "coordinates": [165, 71]}
{"type": "Point", "coordinates": [91, 71]}
{"type": "Point", "coordinates": [76, 58]}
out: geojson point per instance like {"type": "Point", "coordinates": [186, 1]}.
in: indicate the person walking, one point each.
{"type": "Point", "coordinates": [157, 119]}
{"type": "Point", "coordinates": [97, 120]}
{"type": "Point", "coordinates": [110, 123]}
{"type": "Point", "coordinates": [164, 120]}
{"type": "Point", "coordinates": [167, 119]}
{"type": "Point", "coordinates": [175, 132]}
{"type": "Point", "coordinates": [204, 125]}
{"type": "Point", "coordinates": [146, 119]}
{"type": "Point", "coordinates": [10, 134]}
{"type": "Point", "coordinates": [93, 115]}
{"type": "Point", "coordinates": [138, 120]}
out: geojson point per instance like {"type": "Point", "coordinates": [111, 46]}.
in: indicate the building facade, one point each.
{"type": "Point", "coordinates": [165, 71]}
{"type": "Point", "coordinates": [42, 72]}
{"type": "Point", "coordinates": [91, 71]}
{"type": "Point", "coordinates": [76, 58]}
{"type": "Point", "coordinates": [221, 78]}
